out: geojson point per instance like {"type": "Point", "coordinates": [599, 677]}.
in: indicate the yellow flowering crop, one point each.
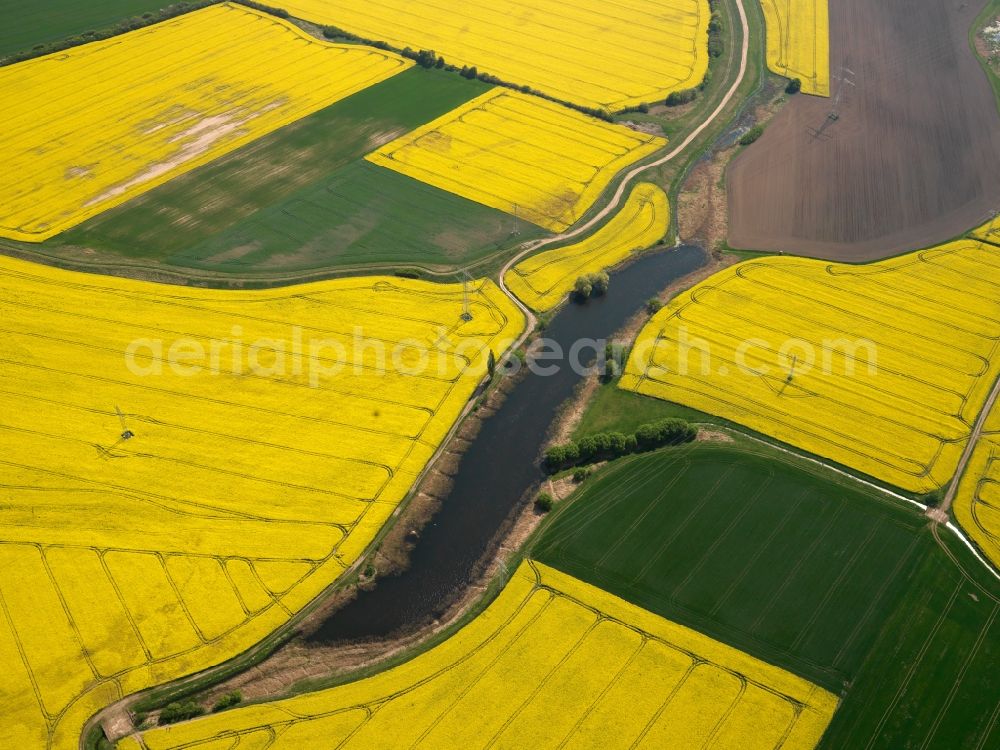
{"type": "Point", "coordinates": [883, 368]}
{"type": "Point", "coordinates": [95, 126]}
{"type": "Point", "coordinates": [512, 151]}
{"type": "Point", "coordinates": [585, 52]}
{"type": "Point", "coordinates": [798, 42]}
{"type": "Point", "coordinates": [989, 232]}
{"type": "Point", "coordinates": [271, 434]}
{"type": "Point", "coordinates": [543, 281]}
{"type": "Point", "coordinates": [977, 505]}
{"type": "Point", "coordinates": [553, 662]}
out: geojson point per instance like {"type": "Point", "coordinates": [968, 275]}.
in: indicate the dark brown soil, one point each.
{"type": "Point", "coordinates": [912, 159]}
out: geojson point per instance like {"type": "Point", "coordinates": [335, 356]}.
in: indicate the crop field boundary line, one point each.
{"type": "Point", "coordinates": [260, 650]}
{"type": "Point", "coordinates": [823, 464]}
{"type": "Point", "coordinates": [972, 548]}
{"type": "Point", "coordinates": [871, 485]}
{"type": "Point", "coordinates": [511, 631]}
{"type": "Point", "coordinates": [846, 441]}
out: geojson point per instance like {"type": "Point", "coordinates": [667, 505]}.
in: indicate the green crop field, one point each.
{"type": "Point", "coordinates": [841, 585]}
{"type": "Point", "coordinates": [361, 214]}
{"type": "Point", "coordinates": [615, 410]}
{"type": "Point", "coordinates": [52, 20]}
{"type": "Point", "coordinates": [746, 548]}
{"type": "Point", "coordinates": [303, 198]}
{"type": "Point", "coordinates": [931, 679]}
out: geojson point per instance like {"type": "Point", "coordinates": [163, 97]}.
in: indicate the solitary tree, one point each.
{"type": "Point", "coordinates": [600, 282]}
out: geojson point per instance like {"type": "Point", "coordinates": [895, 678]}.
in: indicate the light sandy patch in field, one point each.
{"type": "Point", "coordinates": [144, 107]}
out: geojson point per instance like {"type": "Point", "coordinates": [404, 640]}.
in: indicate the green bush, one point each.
{"type": "Point", "coordinates": [614, 361]}
{"type": "Point", "coordinates": [544, 502]}
{"type": "Point", "coordinates": [934, 498]}
{"type": "Point", "coordinates": [175, 712]}
{"type": "Point", "coordinates": [794, 86]}
{"type": "Point", "coordinates": [677, 98]}
{"type": "Point", "coordinates": [427, 58]}
{"type": "Point", "coordinates": [228, 701]}
{"type": "Point", "coordinates": [752, 135]}
{"type": "Point", "coordinates": [715, 46]}
{"type": "Point", "coordinates": [670, 431]}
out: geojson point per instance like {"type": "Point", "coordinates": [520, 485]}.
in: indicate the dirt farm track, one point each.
{"type": "Point", "coordinates": [912, 159]}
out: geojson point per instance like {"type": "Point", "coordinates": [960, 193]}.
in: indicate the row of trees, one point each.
{"type": "Point", "coordinates": [608, 445]}
{"type": "Point", "coordinates": [715, 46]}
{"type": "Point", "coordinates": [429, 59]}
{"type": "Point", "coordinates": [189, 709]}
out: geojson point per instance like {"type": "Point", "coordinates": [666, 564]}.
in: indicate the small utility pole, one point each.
{"type": "Point", "coordinates": [504, 573]}
{"type": "Point", "coordinates": [791, 372]}
{"type": "Point", "coordinates": [845, 77]}
{"type": "Point", "coordinates": [466, 307]}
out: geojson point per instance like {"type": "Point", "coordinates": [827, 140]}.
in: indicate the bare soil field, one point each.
{"type": "Point", "coordinates": [910, 161]}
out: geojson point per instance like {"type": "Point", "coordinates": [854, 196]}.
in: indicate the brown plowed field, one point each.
{"type": "Point", "coordinates": [914, 158]}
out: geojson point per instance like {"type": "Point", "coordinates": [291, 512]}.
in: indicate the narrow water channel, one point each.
{"type": "Point", "coordinates": [500, 465]}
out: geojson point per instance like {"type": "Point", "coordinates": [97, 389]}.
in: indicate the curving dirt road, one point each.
{"type": "Point", "coordinates": [616, 199]}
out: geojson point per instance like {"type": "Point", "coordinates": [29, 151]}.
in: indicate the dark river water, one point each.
{"type": "Point", "coordinates": [500, 466]}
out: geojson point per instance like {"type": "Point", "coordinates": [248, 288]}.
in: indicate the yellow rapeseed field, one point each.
{"type": "Point", "coordinates": [543, 281]}
{"type": "Point", "coordinates": [977, 505]}
{"type": "Point", "coordinates": [95, 126]}
{"type": "Point", "coordinates": [988, 232]}
{"type": "Point", "coordinates": [519, 153]}
{"type": "Point", "coordinates": [553, 662]}
{"type": "Point", "coordinates": [270, 436]}
{"type": "Point", "coordinates": [585, 52]}
{"type": "Point", "coordinates": [798, 42]}
{"type": "Point", "coordinates": [883, 368]}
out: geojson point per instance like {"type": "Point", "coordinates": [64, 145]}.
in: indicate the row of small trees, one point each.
{"type": "Point", "coordinates": [430, 59]}
{"type": "Point", "coordinates": [607, 445]}
{"type": "Point", "coordinates": [715, 49]}
{"type": "Point", "coordinates": [189, 709]}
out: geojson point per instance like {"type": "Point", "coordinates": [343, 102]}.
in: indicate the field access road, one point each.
{"type": "Point", "coordinates": [616, 199]}
{"type": "Point", "coordinates": [977, 432]}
